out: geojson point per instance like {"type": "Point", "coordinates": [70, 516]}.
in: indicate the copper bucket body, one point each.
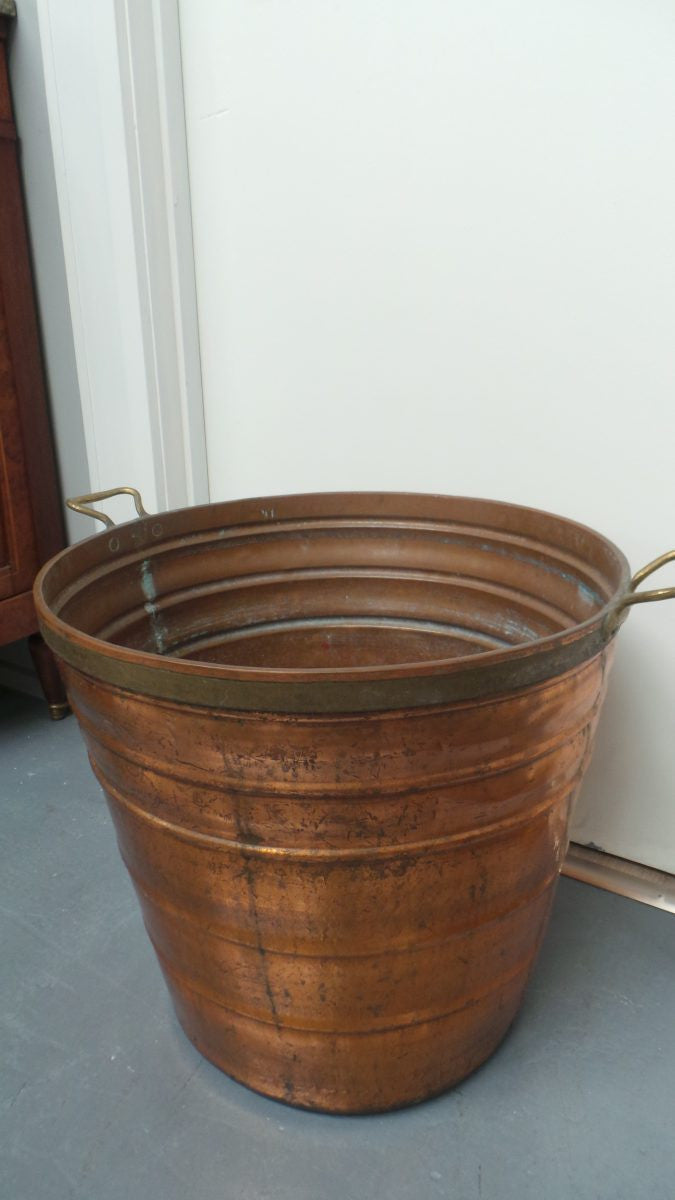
{"type": "Point", "coordinates": [340, 737]}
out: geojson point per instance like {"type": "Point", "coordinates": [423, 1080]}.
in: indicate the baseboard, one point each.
{"type": "Point", "coordinates": [20, 679]}
{"type": "Point", "coordinates": [620, 875]}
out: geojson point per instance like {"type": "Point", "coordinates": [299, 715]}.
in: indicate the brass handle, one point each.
{"type": "Point", "coordinates": [80, 504]}
{"type": "Point", "coordinates": [619, 613]}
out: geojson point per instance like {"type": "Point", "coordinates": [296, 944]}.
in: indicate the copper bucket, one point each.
{"type": "Point", "coordinates": [340, 736]}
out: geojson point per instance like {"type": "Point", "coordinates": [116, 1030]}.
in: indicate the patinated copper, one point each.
{"type": "Point", "coordinates": [340, 736]}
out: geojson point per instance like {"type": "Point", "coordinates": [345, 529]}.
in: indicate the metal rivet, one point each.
{"type": "Point", "coordinates": [156, 529]}
{"type": "Point", "coordinates": [114, 543]}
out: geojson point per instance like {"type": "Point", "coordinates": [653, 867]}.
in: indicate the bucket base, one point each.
{"type": "Point", "coordinates": [349, 1073]}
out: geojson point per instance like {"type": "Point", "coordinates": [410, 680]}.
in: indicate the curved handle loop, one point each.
{"type": "Point", "coordinates": [632, 596]}
{"type": "Point", "coordinates": [80, 504]}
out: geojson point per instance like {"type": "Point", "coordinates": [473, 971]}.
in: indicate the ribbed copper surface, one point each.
{"type": "Point", "coordinates": [333, 603]}
{"type": "Point", "coordinates": [346, 910]}
{"type": "Point", "coordinates": [346, 905]}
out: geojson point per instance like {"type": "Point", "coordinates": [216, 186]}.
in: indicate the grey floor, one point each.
{"type": "Point", "coordinates": [103, 1098]}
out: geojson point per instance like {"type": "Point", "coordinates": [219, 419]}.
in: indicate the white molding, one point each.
{"type": "Point", "coordinates": [631, 879]}
{"type": "Point", "coordinates": [114, 94]}
{"type": "Point", "coordinates": [152, 96]}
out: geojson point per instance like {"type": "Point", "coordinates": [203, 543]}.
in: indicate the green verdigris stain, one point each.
{"type": "Point", "coordinates": [150, 606]}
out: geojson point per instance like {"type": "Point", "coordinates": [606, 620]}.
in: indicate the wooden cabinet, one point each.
{"type": "Point", "coordinates": [31, 522]}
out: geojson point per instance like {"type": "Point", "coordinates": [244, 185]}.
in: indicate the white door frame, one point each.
{"type": "Point", "coordinates": [113, 81]}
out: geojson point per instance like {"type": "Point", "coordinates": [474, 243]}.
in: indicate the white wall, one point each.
{"type": "Point", "coordinates": [114, 99]}
{"type": "Point", "coordinates": [435, 250]}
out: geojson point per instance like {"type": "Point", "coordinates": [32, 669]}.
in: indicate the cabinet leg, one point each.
{"type": "Point", "coordinates": [50, 679]}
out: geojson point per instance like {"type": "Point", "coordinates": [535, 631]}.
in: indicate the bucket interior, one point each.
{"type": "Point", "coordinates": [303, 583]}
